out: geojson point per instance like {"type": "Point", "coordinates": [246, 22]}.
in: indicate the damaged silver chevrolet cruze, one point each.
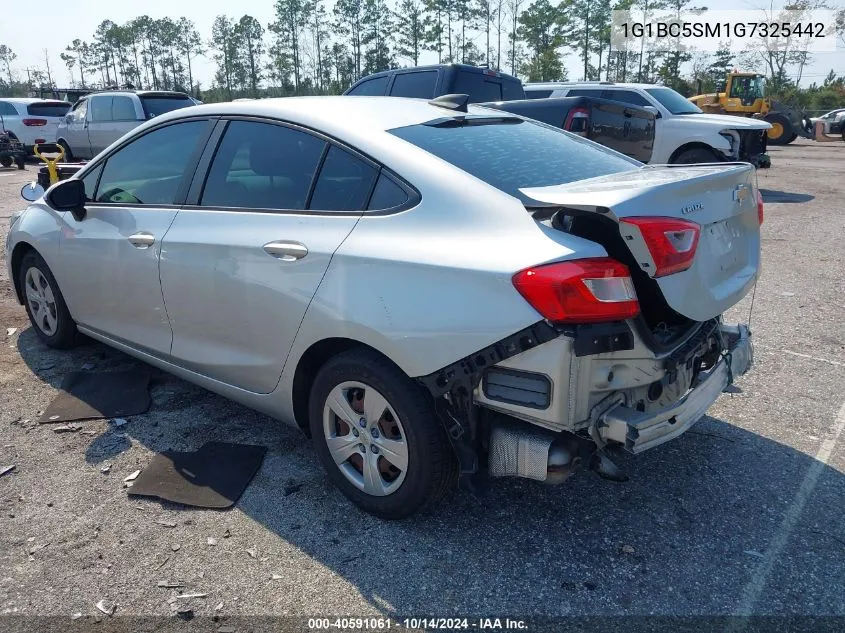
{"type": "Point", "coordinates": [426, 290]}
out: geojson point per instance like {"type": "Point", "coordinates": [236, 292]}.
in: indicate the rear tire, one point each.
{"type": "Point", "coordinates": [6, 161]}
{"type": "Point", "coordinates": [781, 132]}
{"type": "Point", "coordinates": [395, 424]}
{"type": "Point", "coordinates": [696, 155]}
{"type": "Point", "coordinates": [45, 304]}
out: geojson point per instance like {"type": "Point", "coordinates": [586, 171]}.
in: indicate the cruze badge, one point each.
{"type": "Point", "coordinates": [691, 207]}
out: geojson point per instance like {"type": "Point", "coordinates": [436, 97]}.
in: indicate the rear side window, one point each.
{"type": "Point", "coordinates": [517, 154]}
{"type": "Point", "coordinates": [262, 166]}
{"type": "Point", "coordinates": [123, 109]}
{"type": "Point", "coordinates": [50, 108]}
{"type": "Point", "coordinates": [344, 183]}
{"type": "Point", "coordinates": [387, 194]}
{"type": "Point", "coordinates": [7, 109]}
{"type": "Point", "coordinates": [414, 85]}
{"type": "Point", "coordinates": [150, 169]}
{"type": "Point", "coordinates": [156, 105]}
{"type": "Point", "coordinates": [538, 94]}
{"type": "Point", "coordinates": [100, 109]}
{"type": "Point", "coordinates": [629, 96]}
{"type": "Point", "coordinates": [583, 92]}
{"type": "Point", "coordinates": [371, 87]}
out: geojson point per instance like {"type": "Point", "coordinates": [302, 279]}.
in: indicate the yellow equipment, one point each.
{"type": "Point", "coordinates": [57, 152]}
{"type": "Point", "coordinates": [745, 95]}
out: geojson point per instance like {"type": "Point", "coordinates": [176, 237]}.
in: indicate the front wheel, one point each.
{"type": "Point", "coordinates": [5, 161]}
{"type": "Point", "coordinates": [44, 303]}
{"type": "Point", "coordinates": [695, 155]}
{"type": "Point", "coordinates": [378, 437]}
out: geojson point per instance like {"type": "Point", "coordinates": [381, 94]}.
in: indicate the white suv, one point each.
{"type": "Point", "coordinates": [32, 121]}
{"type": "Point", "coordinates": [683, 133]}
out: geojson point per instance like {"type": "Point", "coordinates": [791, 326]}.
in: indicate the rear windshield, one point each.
{"type": "Point", "coordinates": [155, 106]}
{"type": "Point", "coordinates": [514, 155]}
{"type": "Point", "coordinates": [54, 108]}
{"type": "Point", "coordinates": [482, 88]}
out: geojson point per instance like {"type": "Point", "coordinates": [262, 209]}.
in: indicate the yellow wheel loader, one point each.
{"type": "Point", "coordinates": [745, 95]}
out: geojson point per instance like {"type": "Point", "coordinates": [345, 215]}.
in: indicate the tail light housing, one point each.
{"type": "Point", "coordinates": [577, 121]}
{"type": "Point", "coordinates": [580, 291]}
{"type": "Point", "coordinates": [670, 241]}
{"type": "Point", "coordinates": [759, 207]}
{"type": "Point", "coordinates": [34, 122]}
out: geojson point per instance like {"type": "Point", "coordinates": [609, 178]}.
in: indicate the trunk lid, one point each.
{"type": "Point", "coordinates": [721, 199]}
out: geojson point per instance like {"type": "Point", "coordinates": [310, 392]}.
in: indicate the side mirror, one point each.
{"type": "Point", "coordinates": [68, 195]}
{"type": "Point", "coordinates": [32, 192]}
{"type": "Point", "coordinates": [654, 111]}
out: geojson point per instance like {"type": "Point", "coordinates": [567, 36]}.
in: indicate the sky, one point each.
{"type": "Point", "coordinates": [58, 23]}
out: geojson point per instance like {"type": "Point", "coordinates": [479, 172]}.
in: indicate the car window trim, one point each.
{"type": "Point", "coordinates": [200, 177]}
{"type": "Point", "coordinates": [181, 191]}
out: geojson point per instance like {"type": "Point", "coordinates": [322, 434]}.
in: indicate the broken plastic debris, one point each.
{"type": "Point", "coordinates": [11, 330]}
{"type": "Point", "coordinates": [252, 553]}
{"type": "Point", "coordinates": [7, 469]}
{"type": "Point", "coordinates": [192, 595]}
{"type": "Point", "coordinates": [787, 294]}
{"type": "Point", "coordinates": [66, 428]}
{"type": "Point", "coordinates": [219, 607]}
{"type": "Point", "coordinates": [119, 421]}
{"type": "Point", "coordinates": [133, 476]}
{"type": "Point", "coordinates": [105, 469]}
{"type": "Point", "coordinates": [186, 613]}
{"type": "Point", "coordinates": [76, 616]}
{"type": "Point", "coordinates": [276, 577]}
{"type": "Point", "coordinates": [106, 607]}
{"type": "Point", "coordinates": [627, 549]}
{"type": "Point", "coordinates": [170, 524]}
{"type": "Point", "coordinates": [164, 584]}
{"type": "Point", "coordinates": [176, 547]}
{"type": "Point", "coordinates": [212, 541]}
{"type": "Point", "coordinates": [227, 533]}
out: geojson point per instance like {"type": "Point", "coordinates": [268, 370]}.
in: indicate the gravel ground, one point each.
{"type": "Point", "coordinates": [742, 515]}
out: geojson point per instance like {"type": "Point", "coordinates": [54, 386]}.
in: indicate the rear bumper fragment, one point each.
{"type": "Point", "coordinates": [639, 431]}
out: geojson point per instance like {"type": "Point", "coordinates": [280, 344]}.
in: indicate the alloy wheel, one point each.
{"type": "Point", "coordinates": [41, 300]}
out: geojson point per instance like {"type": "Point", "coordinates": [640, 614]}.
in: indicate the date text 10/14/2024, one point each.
{"type": "Point", "coordinates": [428, 624]}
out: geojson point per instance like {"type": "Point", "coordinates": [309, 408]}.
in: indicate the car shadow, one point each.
{"type": "Point", "coordinates": [683, 536]}
{"type": "Point", "coordinates": [772, 196]}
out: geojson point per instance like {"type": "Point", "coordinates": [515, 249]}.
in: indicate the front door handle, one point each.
{"type": "Point", "coordinates": [142, 239]}
{"type": "Point", "coordinates": [286, 251]}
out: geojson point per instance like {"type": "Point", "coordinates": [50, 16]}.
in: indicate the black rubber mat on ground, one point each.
{"type": "Point", "coordinates": [89, 395]}
{"type": "Point", "coordinates": [215, 476]}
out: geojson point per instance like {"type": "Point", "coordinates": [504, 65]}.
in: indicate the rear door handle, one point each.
{"type": "Point", "coordinates": [142, 239]}
{"type": "Point", "coordinates": [286, 251]}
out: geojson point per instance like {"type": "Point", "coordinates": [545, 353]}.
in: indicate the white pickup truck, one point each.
{"type": "Point", "coordinates": [684, 134]}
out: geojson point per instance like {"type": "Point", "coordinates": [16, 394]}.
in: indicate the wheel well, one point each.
{"type": "Point", "coordinates": [693, 145]}
{"type": "Point", "coordinates": [17, 256]}
{"type": "Point", "coordinates": [306, 371]}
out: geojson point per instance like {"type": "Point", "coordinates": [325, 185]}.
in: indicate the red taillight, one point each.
{"type": "Point", "coordinates": [577, 121]}
{"type": "Point", "coordinates": [580, 291]}
{"type": "Point", "coordinates": [671, 242]}
{"type": "Point", "coordinates": [34, 122]}
{"type": "Point", "coordinates": [759, 207]}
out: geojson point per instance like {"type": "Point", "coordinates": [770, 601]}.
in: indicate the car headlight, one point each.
{"type": "Point", "coordinates": [732, 137]}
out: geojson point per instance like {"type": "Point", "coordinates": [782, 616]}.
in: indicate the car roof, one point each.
{"type": "Point", "coordinates": [589, 84]}
{"type": "Point", "coordinates": [333, 114]}
{"type": "Point", "coordinates": [28, 100]}
{"type": "Point", "coordinates": [140, 93]}
{"type": "Point", "coordinates": [455, 66]}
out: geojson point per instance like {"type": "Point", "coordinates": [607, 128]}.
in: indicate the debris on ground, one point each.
{"type": "Point", "coordinates": [192, 595]}
{"type": "Point", "coordinates": [76, 616]}
{"type": "Point", "coordinates": [105, 469]}
{"type": "Point", "coordinates": [10, 331]}
{"type": "Point", "coordinates": [87, 366]}
{"type": "Point", "coordinates": [170, 524]}
{"type": "Point", "coordinates": [164, 584]}
{"type": "Point", "coordinates": [227, 533]}
{"type": "Point", "coordinates": [276, 577]}
{"type": "Point", "coordinates": [212, 541]}
{"type": "Point", "coordinates": [627, 549]}
{"type": "Point", "coordinates": [106, 607]}
{"type": "Point", "coordinates": [7, 469]}
{"type": "Point", "coordinates": [66, 428]}
{"type": "Point", "coordinates": [291, 488]}
{"type": "Point", "coordinates": [54, 417]}
{"type": "Point", "coordinates": [120, 421]}
{"type": "Point", "coordinates": [252, 553]}
{"type": "Point", "coordinates": [185, 613]}
{"type": "Point", "coordinates": [226, 629]}
{"type": "Point", "coordinates": [176, 547]}
{"type": "Point", "coordinates": [132, 476]}
{"type": "Point", "coordinates": [219, 607]}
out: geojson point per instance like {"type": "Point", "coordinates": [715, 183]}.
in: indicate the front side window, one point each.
{"type": "Point", "coordinates": [150, 168]}
{"type": "Point", "coordinates": [100, 109]}
{"type": "Point", "coordinates": [344, 183]}
{"type": "Point", "coordinates": [90, 181]}
{"type": "Point", "coordinates": [79, 111]}
{"type": "Point", "coordinates": [370, 88]}
{"type": "Point", "coordinates": [515, 153]}
{"type": "Point", "coordinates": [262, 166]}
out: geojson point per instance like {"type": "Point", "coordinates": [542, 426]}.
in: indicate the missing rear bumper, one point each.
{"type": "Point", "coordinates": [639, 431]}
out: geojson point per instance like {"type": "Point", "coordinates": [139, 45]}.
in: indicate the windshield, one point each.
{"type": "Point", "coordinates": [513, 154]}
{"type": "Point", "coordinates": [672, 101]}
{"type": "Point", "coordinates": [156, 106]}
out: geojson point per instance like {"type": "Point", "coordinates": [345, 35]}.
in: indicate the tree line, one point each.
{"type": "Point", "coordinates": [309, 49]}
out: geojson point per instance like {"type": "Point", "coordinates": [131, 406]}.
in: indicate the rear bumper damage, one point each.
{"type": "Point", "coordinates": [639, 431]}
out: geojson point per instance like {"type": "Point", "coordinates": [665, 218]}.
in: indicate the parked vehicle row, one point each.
{"type": "Point", "coordinates": [431, 290]}
{"type": "Point", "coordinates": [32, 121]}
